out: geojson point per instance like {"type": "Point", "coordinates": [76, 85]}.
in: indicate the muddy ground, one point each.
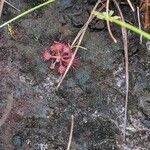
{"type": "Point", "coordinates": [94, 93]}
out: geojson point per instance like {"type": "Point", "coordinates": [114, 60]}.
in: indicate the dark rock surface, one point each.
{"type": "Point", "coordinates": [94, 93]}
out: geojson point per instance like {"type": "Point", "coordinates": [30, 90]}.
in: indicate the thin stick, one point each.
{"type": "Point", "coordinates": [1, 7]}
{"type": "Point", "coordinates": [108, 23]}
{"type": "Point", "coordinates": [12, 5]}
{"type": "Point", "coordinates": [139, 22]}
{"type": "Point", "coordinates": [130, 4]}
{"type": "Point", "coordinates": [77, 37]}
{"type": "Point", "coordinates": [125, 43]}
{"type": "Point", "coordinates": [27, 12]}
{"type": "Point", "coordinates": [71, 132]}
{"type": "Point", "coordinates": [80, 36]}
{"type": "Point", "coordinates": [7, 110]}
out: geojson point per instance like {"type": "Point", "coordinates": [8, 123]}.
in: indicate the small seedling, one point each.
{"type": "Point", "coordinates": [105, 16]}
{"type": "Point", "coordinates": [59, 54]}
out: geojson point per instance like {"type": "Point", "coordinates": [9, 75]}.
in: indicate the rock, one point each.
{"type": "Point", "coordinates": [145, 103]}
{"type": "Point", "coordinates": [17, 141]}
{"type": "Point", "coordinates": [77, 21]}
{"type": "Point", "coordinates": [98, 25]}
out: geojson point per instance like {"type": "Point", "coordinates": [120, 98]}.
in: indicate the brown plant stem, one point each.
{"type": "Point", "coordinates": [125, 43]}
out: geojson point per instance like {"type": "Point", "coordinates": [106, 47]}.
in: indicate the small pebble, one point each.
{"type": "Point", "coordinates": [77, 21]}
{"type": "Point", "coordinates": [17, 141]}
{"type": "Point", "coordinates": [22, 79]}
{"type": "Point", "coordinates": [99, 25]}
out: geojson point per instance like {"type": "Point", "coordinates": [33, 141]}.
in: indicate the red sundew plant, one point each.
{"type": "Point", "coordinates": [59, 54]}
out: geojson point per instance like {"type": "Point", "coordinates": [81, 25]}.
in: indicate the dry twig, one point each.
{"type": "Point", "coordinates": [12, 5]}
{"type": "Point", "coordinates": [125, 43]}
{"type": "Point", "coordinates": [130, 4]}
{"type": "Point", "coordinates": [71, 132]}
{"type": "Point", "coordinates": [139, 22]}
{"type": "Point", "coordinates": [2, 4]}
{"type": "Point", "coordinates": [1, 7]}
{"type": "Point", "coordinates": [108, 23]}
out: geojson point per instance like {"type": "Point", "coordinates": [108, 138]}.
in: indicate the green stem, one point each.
{"type": "Point", "coordinates": [26, 12]}
{"type": "Point", "coordinates": [121, 23]}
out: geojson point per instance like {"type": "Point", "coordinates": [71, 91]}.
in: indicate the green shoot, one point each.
{"type": "Point", "coordinates": [26, 12]}
{"type": "Point", "coordinates": [115, 19]}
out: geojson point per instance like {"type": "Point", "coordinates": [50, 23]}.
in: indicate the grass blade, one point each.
{"type": "Point", "coordinates": [26, 12]}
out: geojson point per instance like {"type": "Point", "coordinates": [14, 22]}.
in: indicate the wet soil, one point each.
{"type": "Point", "coordinates": [94, 93]}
